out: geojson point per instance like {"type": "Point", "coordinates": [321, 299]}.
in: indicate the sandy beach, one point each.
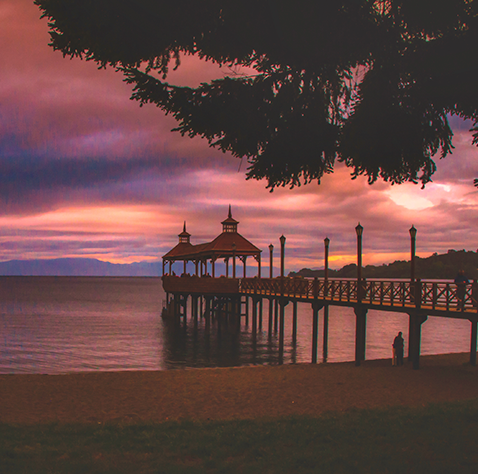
{"type": "Point", "coordinates": [233, 393]}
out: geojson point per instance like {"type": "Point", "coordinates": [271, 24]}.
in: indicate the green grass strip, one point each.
{"type": "Point", "coordinates": [441, 438]}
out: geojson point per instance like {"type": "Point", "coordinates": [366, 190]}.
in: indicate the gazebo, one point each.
{"type": "Point", "coordinates": [228, 245]}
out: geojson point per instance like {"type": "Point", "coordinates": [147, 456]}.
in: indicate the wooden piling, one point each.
{"type": "Point", "coordinates": [271, 314]}
{"type": "Point", "coordinates": [260, 313]}
{"type": "Point", "coordinates": [207, 313]}
{"type": "Point", "coordinates": [254, 317]}
{"type": "Point", "coordinates": [415, 324]}
{"type": "Point", "coordinates": [276, 314]}
{"type": "Point", "coordinates": [283, 303]}
{"type": "Point", "coordinates": [473, 342]}
{"type": "Point", "coordinates": [315, 330]}
{"type": "Point", "coordinates": [194, 310]}
{"type": "Point", "coordinates": [360, 333]}
{"type": "Point", "coordinates": [294, 323]}
{"type": "Point", "coordinates": [247, 311]}
{"type": "Point", "coordinates": [325, 342]}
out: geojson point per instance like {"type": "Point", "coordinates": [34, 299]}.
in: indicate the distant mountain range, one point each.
{"type": "Point", "coordinates": [444, 266]}
{"type": "Point", "coordinates": [78, 267]}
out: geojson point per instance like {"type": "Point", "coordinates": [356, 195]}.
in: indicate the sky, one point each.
{"type": "Point", "coordinates": [86, 172]}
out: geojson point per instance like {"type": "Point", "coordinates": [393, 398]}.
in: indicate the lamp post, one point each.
{"type": "Point", "coordinates": [282, 255]}
{"type": "Point", "coordinates": [326, 260]}
{"type": "Point", "coordinates": [359, 231]}
{"type": "Point", "coordinates": [282, 300]}
{"type": "Point", "coordinates": [234, 260]}
{"type": "Point", "coordinates": [413, 237]}
{"type": "Point", "coordinates": [325, 342]}
{"type": "Point", "coordinates": [271, 256]}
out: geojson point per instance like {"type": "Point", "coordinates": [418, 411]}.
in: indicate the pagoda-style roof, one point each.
{"type": "Point", "coordinates": [226, 244]}
{"type": "Point", "coordinates": [181, 249]}
{"type": "Point", "coordinates": [222, 245]}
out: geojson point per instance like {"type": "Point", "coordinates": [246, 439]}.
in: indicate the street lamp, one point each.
{"type": "Point", "coordinates": [359, 231]}
{"type": "Point", "coordinates": [413, 237]}
{"type": "Point", "coordinates": [271, 256]}
{"type": "Point", "coordinates": [326, 259]}
{"type": "Point", "coordinates": [282, 255]}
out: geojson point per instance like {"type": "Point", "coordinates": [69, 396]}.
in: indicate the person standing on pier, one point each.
{"type": "Point", "coordinates": [398, 344]}
{"type": "Point", "coordinates": [461, 281]}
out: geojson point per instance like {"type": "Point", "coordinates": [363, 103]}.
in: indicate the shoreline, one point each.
{"type": "Point", "coordinates": [233, 393]}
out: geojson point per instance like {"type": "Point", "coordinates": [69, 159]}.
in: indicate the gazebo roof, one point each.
{"type": "Point", "coordinates": [183, 248]}
{"type": "Point", "coordinates": [220, 247]}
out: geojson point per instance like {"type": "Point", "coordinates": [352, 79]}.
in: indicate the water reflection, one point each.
{"type": "Point", "coordinates": [224, 345]}
{"type": "Point", "coordinates": [57, 325]}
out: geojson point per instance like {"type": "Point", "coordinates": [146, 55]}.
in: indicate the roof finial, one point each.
{"type": "Point", "coordinates": [184, 227]}
{"type": "Point", "coordinates": [230, 213]}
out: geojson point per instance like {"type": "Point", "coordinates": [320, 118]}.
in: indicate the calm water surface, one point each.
{"type": "Point", "coordinates": [68, 324]}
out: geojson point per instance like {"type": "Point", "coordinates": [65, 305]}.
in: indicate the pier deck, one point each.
{"type": "Point", "coordinates": [419, 299]}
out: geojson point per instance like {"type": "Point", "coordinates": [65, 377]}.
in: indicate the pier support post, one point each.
{"type": "Point", "coordinates": [207, 313]}
{"type": "Point", "coordinates": [283, 303]}
{"type": "Point", "coordinates": [239, 314]}
{"type": "Point", "coordinates": [325, 344]}
{"type": "Point", "coordinates": [185, 308]}
{"type": "Point", "coordinates": [260, 313]}
{"type": "Point", "coordinates": [360, 333]}
{"type": "Point", "coordinates": [316, 307]}
{"type": "Point", "coordinates": [177, 307]}
{"type": "Point", "coordinates": [271, 314]}
{"type": "Point", "coordinates": [194, 310]}
{"type": "Point", "coordinates": [473, 342]}
{"type": "Point", "coordinates": [246, 312]}
{"type": "Point", "coordinates": [294, 323]}
{"type": "Point", "coordinates": [414, 338]}
{"type": "Point", "coordinates": [254, 316]}
{"type": "Point", "coordinates": [276, 314]}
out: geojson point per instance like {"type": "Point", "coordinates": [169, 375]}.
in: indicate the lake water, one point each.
{"type": "Point", "coordinates": [58, 325]}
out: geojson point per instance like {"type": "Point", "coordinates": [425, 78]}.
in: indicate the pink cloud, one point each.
{"type": "Point", "coordinates": [56, 109]}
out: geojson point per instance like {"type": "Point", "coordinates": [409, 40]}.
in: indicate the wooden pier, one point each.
{"type": "Point", "coordinates": [418, 299]}
{"type": "Point", "coordinates": [228, 295]}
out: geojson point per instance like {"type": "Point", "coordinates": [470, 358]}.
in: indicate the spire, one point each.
{"type": "Point", "coordinates": [184, 235]}
{"type": "Point", "coordinates": [230, 224]}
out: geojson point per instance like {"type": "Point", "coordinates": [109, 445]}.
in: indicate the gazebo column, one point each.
{"type": "Point", "coordinates": [213, 267]}
{"type": "Point", "coordinates": [244, 264]}
{"type": "Point", "coordinates": [164, 263]}
{"type": "Point", "coordinates": [226, 261]}
{"type": "Point", "coordinates": [259, 266]}
{"type": "Point", "coordinates": [196, 264]}
{"type": "Point", "coordinates": [170, 267]}
{"type": "Point", "coordinates": [184, 266]}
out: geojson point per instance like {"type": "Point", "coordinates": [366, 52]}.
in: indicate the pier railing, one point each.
{"type": "Point", "coordinates": [419, 294]}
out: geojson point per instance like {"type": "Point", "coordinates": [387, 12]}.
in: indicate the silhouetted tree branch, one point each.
{"type": "Point", "coordinates": [369, 83]}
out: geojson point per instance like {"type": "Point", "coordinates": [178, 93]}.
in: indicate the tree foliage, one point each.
{"type": "Point", "coordinates": [369, 83]}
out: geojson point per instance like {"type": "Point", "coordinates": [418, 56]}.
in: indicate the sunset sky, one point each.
{"type": "Point", "coordinates": [86, 172]}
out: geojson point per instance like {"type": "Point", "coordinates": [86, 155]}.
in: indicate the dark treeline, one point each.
{"type": "Point", "coordinates": [444, 266]}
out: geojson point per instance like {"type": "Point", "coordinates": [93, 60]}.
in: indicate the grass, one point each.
{"type": "Point", "coordinates": [440, 438]}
